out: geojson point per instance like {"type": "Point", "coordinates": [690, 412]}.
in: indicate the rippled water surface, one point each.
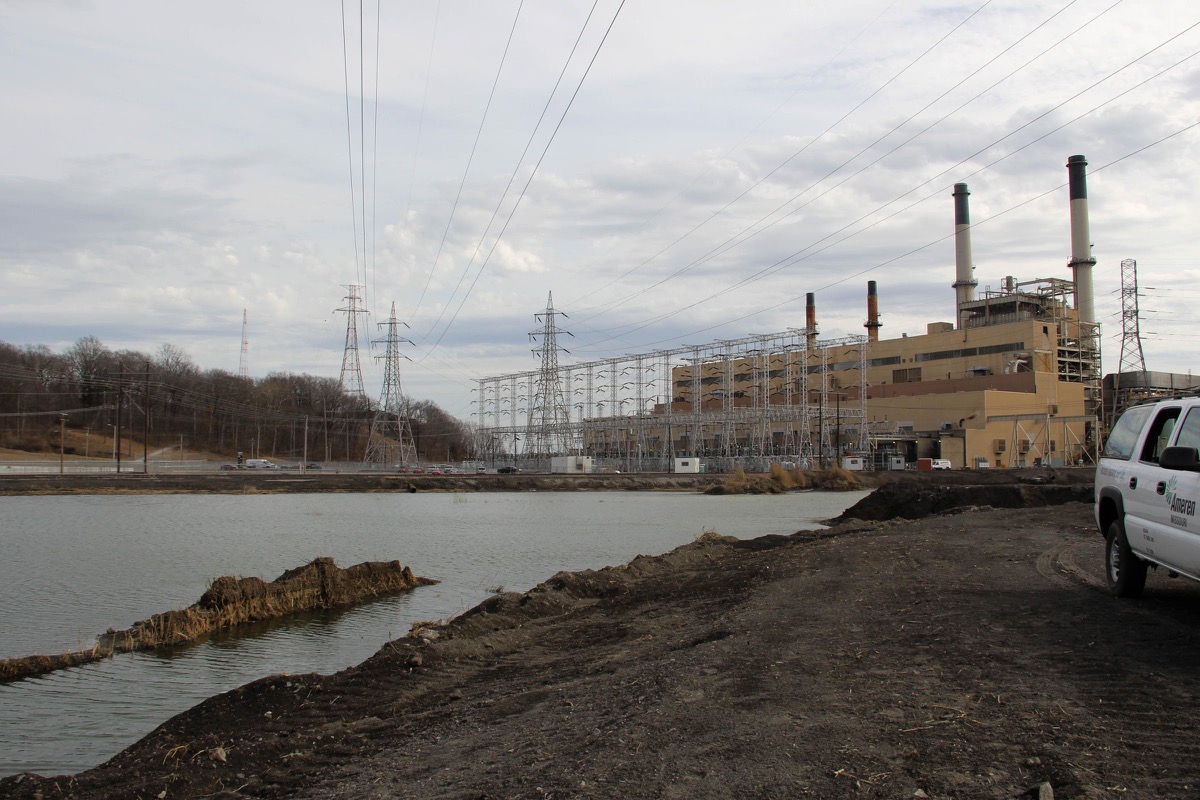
{"type": "Point", "coordinates": [76, 566]}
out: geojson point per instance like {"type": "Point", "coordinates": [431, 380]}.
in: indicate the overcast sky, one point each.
{"type": "Point", "coordinates": [699, 168]}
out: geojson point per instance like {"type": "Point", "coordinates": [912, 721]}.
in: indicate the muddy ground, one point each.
{"type": "Point", "coordinates": [972, 654]}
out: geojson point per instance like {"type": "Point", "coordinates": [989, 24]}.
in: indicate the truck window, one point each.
{"type": "Point", "coordinates": [1189, 430]}
{"type": "Point", "coordinates": [1125, 432]}
{"type": "Point", "coordinates": [1159, 434]}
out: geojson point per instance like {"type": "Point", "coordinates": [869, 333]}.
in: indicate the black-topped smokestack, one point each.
{"type": "Point", "coordinates": [964, 272]}
{"type": "Point", "coordinates": [810, 319]}
{"type": "Point", "coordinates": [1081, 240]}
{"type": "Point", "coordinates": [872, 325]}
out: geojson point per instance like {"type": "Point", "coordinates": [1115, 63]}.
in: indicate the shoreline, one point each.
{"type": "Point", "coordinates": [247, 482]}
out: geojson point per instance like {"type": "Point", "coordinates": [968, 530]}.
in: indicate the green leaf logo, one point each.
{"type": "Point", "coordinates": [1170, 493]}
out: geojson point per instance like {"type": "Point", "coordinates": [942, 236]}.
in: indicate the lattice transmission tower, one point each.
{"type": "Point", "coordinates": [1132, 357]}
{"type": "Point", "coordinates": [391, 440]}
{"type": "Point", "coordinates": [244, 359]}
{"type": "Point", "coordinates": [549, 429]}
{"type": "Point", "coordinates": [351, 381]}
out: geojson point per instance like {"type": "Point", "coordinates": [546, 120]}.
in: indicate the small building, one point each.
{"type": "Point", "coordinates": [572, 465]}
{"type": "Point", "coordinates": [688, 465]}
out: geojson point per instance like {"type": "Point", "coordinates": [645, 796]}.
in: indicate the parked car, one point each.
{"type": "Point", "coordinates": [508, 470]}
{"type": "Point", "coordinates": [1147, 486]}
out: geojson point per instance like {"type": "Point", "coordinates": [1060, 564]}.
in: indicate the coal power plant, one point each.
{"type": "Point", "coordinates": [1013, 380]}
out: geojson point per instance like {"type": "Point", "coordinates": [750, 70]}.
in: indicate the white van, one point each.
{"type": "Point", "coordinates": [941, 463]}
{"type": "Point", "coordinates": [260, 463]}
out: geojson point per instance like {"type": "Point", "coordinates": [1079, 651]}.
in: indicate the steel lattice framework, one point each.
{"type": "Point", "coordinates": [391, 440]}
{"type": "Point", "coordinates": [351, 379]}
{"type": "Point", "coordinates": [548, 431]}
{"type": "Point", "coordinates": [766, 396]}
{"type": "Point", "coordinates": [1132, 357]}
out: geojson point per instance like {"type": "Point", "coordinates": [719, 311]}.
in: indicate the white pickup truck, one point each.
{"type": "Point", "coordinates": [1147, 485]}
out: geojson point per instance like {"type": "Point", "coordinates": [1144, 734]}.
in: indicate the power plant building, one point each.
{"type": "Point", "coordinates": [1013, 380]}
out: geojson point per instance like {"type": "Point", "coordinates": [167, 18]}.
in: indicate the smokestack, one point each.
{"type": "Point", "coordinates": [873, 322]}
{"type": "Point", "coordinates": [1081, 240]}
{"type": "Point", "coordinates": [964, 266]}
{"type": "Point", "coordinates": [810, 319]}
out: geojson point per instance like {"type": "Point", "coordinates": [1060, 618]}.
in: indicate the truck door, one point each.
{"type": "Point", "coordinates": [1178, 492]}
{"type": "Point", "coordinates": [1145, 504]}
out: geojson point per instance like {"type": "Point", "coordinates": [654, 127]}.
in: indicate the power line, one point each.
{"type": "Point", "coordinates": [811, 250]}
{"type": "Point", "coordinates": [470, 158]}
{"type": "Point", "coordinates": [532, 174]}
{"type": "Point", "coordinates": [743, 236]}
{"type": "Point", "coordinates": [512, 177]}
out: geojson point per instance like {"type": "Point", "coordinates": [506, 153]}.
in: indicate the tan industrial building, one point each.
{"type": "Point", "coordinates": [1002, 394]}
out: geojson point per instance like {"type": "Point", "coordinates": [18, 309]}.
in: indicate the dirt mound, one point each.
{"type": "Point", "coordinates": [916, 500]}
{"type": "Point", "coordinates": [230, 602]}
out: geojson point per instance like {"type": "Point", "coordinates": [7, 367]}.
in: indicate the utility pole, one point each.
{"type": "Point", "coordinates": [120, 403]}
{"type": "Point", "coordinates": [146, 426]}
{"type": "Point", "coordinates": [243, 360]}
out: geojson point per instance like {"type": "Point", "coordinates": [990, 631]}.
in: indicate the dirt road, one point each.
{"type": "Point", "coordinates": [970, 655]}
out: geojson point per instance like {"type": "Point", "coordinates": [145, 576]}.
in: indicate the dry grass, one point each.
{"type": "Point", "coordinates": [789, 478]}
{"type": "Point", "coordinates": [836, 479]}
{"type": "Point", "coordinates": [737, 481]}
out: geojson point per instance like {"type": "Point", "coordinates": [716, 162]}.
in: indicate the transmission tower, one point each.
{"type": "Point", "coordinates": [351, 381]}
{"type": "Point", "coordinates": [1132, 358]}
{"type": "Point", "coordinates": [549, 429]}
{"type": "Point", "coordinates": [391, 439]}
{"type": "Point", "coordinates": [243, 362]}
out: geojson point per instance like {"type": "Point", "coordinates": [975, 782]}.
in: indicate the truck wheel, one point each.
{"type": "Point", "coordinates": [1126, 572]}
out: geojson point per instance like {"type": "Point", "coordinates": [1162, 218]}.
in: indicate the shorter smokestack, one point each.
{"type": "Point", "coordinates": [964, 266]}
{"type": "Point", "coordinates": [873, 322]}
{"type": "Point", "coordinates": [1081, 240]}
{"type": "Point", "coordinates": [810, 319]}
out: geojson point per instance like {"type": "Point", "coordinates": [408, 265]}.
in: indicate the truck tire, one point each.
{"type": "Point", "coordinates": [1125, 572]}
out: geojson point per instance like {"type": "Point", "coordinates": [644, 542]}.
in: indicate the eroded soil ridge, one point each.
{"type": "Point", "coordinates": [231, 601]}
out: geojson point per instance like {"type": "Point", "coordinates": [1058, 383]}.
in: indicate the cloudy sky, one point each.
{"type": "Point", "coordinates": [674, 172]}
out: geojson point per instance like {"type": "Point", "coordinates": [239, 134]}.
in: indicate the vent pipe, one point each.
{"type": "Point", "coordinates": [964, 272]}
{"type": "Point", "coordinates": [810, 319]}
{"type": "Point", "coordinates": [873, 322]}
{"type": "Point", "coordinates": [1081, 240]}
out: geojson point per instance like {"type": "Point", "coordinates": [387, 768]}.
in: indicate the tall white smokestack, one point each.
{"type": "Point", "coordinates": [1081, 240]}
{"type": "Point", "coordinates": [964, 273]}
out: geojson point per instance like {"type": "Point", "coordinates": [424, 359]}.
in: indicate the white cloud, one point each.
{"type": "Point", "coordinates": [160, 160]}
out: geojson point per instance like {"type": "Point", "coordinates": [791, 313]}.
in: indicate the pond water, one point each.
{"type": "Point", "coordinates": [76, 566]}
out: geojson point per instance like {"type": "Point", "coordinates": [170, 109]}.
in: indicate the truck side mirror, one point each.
{"type": "Point", "coordinates": [1181, 458]}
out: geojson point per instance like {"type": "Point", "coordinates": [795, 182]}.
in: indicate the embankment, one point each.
{"type": "Point", "coordinates": [229, 602]}
{"type": "Point", "coordinates": [263, 482]}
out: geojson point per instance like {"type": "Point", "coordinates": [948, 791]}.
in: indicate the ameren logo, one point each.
{"type": "Point", "coordinates": [1181, 508]}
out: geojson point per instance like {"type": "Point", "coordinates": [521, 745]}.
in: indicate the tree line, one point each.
{"type": "Point", "coordinates": [165, 400]}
